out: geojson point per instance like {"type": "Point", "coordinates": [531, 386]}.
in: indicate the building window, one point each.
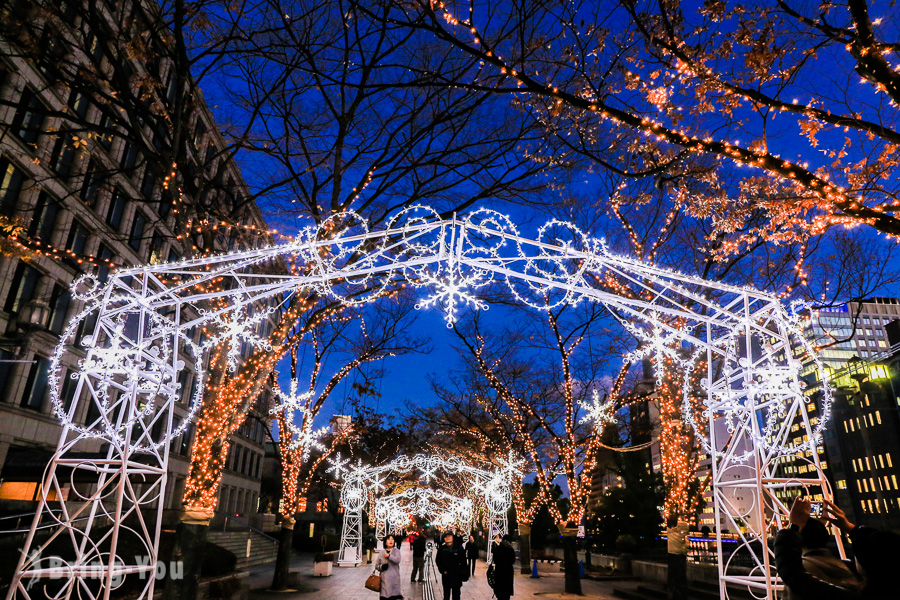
{"type": "Point", "coordinates": [63, 156]}
{"type": "Point", "coordinates": [129, 156]}
{"type": "Point", "coordinates": [185, 441]}
{"type": "Point", "coordinates": [116, 210]}
{"type": "Point", "coordinates": [79, 104]}
{"type": "Point", "coordinates": [104, 259]}
{"type": "Point", "coordinates": [183, 378]}
{"type": "Point", "coordinates": [165, 205]}
{"type": "Point", "coordinates": [137, 231]}
{"type": "Point", "coordinates": [37, 385]}
{"type": "Point", "coordinates": [60, 299]}
{"type": "Point", "coordinates": [10, 186]}
{"type": "Point", "coordinates": [148, 185]}
{"type": "Point", "coordinates": [5, 367]}
{"type": "Point", "coordinates": [90, 189]}
{"type": "Point", "coordinates": [44, 222]}
{"type": "Point", "coordinates": [28, 121]}
{"type": "Point", "coordinates": [107, 129]}
{"type": "Point", "coordinates": [156, 248]}
{"type": "Point", "coordinates": [24, 283]}
{"type": "Point", "coordinates": [93, 412]}
{"type": "Point", "coordinates": [67, 390]}
{"type": "Point", "coordinates": [78, 237]}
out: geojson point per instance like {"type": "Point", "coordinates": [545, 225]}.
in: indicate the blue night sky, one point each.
{"type": "Point", "coordinates": [405, 380]}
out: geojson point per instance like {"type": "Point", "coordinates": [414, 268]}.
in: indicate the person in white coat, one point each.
{"type": "Point", "coordinates": [388, 566]}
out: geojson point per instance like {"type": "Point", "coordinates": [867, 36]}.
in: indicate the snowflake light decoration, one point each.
{"type": "Point", "coordinates": [338, 465]}
{"type": "Point", "coordinates": [304, 436]}
{"type": "Point", "coordinates": [235, 329]}
{"type": "Point", "coordinates": [600, 413]}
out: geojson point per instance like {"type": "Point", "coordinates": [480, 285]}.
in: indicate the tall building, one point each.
{"type": "Point", "coordinates": [90, 203]}
{"type": "Point", "coordinates": [862, 438]}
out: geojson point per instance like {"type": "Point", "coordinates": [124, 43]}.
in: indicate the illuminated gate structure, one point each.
{"type": "Point", "coordinates": [392, 511]}
{"type": "Point", "coordinates": [139, 331]}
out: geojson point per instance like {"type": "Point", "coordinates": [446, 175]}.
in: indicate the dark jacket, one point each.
{"type": "Point", "coordinates": [472, 549]}
{"type": "Point", "coordinates": [419, 546]}
{"type": "Point", "coordinates": [789, 563]}
{"type": "Point", "coordinates": [451, 563]}
{"type": "Point", "coordinates": [878, 554]}
{"type": "Point", "coordinates": [504, 558]}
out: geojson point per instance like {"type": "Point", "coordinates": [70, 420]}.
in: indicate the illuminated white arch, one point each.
{"type": "Point", "coordinates": [391, 510]}
{"type": "Point", "coordinates": [144, 317]}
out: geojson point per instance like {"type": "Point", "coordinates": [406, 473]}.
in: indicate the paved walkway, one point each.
{"type": "Point", "coordinates": [347, 583]}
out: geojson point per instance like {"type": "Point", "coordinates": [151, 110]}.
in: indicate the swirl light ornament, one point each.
{"type": "Point", "coordinates": [136, 332]}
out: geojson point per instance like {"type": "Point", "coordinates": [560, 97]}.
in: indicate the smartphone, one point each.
{"type": "Point", "coordinates": [815, 509]}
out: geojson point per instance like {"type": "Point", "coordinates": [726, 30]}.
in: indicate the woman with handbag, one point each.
{"type": "Point", "coordinates": [388, 565]}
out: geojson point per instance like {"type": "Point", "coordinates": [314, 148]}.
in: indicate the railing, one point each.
{"type": "Point", "coordinates": [229, 518]}
{"type": "Point", "coordinates": [28, 518]}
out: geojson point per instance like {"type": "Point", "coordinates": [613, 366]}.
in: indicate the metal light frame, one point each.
{"type": "Point", "coordinates": [143, 320]}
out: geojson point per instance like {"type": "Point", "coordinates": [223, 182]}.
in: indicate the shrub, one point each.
{"type": "Point", "coordinates": [625, 544]}
{"type": "Point", "coordinates": [224, 588]}
{"type": "Point", "coordinates": [217, 561]}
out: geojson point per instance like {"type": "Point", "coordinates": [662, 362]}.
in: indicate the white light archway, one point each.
{"type": "Point", "coordinates": [140, 328]}
{"type": "Point", "coordinates": [492, 485]}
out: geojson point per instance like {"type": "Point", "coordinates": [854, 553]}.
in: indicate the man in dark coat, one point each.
{"type": "Point", "coordinates": [369, 543]}
{"type": "Point", "coordinates": [504, 558]}
{"type": "Point", "coordinates": [418, 554]}
{"type": "Point", "coordinates": [451, 563]}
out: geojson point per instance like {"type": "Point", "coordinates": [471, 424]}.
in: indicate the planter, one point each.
{"type": "Point", "coordinates": [322, 569]}
{"type": "Point", "coordinates": [547, 567]}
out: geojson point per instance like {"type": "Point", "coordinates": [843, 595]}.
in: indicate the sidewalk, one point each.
{"type": "Point", "coordinates": [347, 583]}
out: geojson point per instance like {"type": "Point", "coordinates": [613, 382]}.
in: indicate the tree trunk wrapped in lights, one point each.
{"type": "Point", "coordinates": [542, 412]}
{"type": "Point", "coordinates": [679, 450]}
{"type": "Point", "coordinates": [366, 337]}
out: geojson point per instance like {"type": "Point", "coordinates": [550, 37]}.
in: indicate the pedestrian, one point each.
{"type": "Point", "coordinates": [877, 553]}
{"type": "Point", "coordinates": [388, 565]}
{"type": "Point", "coordinates": [807, 567]}
{"type": "Point", "coordinates": [451, 563]}
{"type": "Point", "coordinates": [457, 538]}
{"type": "Point", "coordinates": [503, 558]}
{"type": "Point", "coordinates": [676, 543]}
{"type": "Point", "coordinates": [369, 543]}
{"type": "Point", "coordinates": [418, 558]}
{"type": "Point", "coordinates": [472, 553]}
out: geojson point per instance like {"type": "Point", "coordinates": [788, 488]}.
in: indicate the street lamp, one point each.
{"type": "Point", "coordinates": [34, 314]}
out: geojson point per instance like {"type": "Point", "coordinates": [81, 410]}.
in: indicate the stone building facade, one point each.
{"type": "Point", "coordinates": [89, 204]}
